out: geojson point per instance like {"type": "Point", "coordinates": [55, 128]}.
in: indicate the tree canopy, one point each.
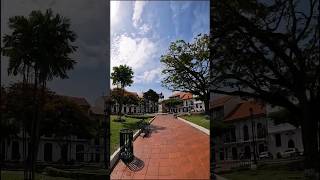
{"type": "Point", "coordinates": [172, 102]}
{"type": "Point", "coordinates": [122, 76]}
{"type": "Point", "coordinates": [187, 67]}
{"type": "Point", "coordinates": [270, 51]}
{"type": "Point", "coordinates": [151, 95]}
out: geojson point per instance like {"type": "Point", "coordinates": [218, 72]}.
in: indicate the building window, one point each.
{"type": "Point", "coordinates": [15, 151]}
{"type": "Point", "coordinates": [247, 152]}
{"type": "Point", "coordinates": [261, 131]}
{"type": "Point", "coordinates": [64, 152]}
{"type": "Point", "coordinates": [245, 133]}
{"type": "Point", "coordinates": [233, 134]}
{"type": "Point", "coordinates": [278, 140]}
{"type": "Point", "coordinates": [80, 152]}
{"type": "Point", "coordinates": [221, 155]}
{"type": "Point", "coordinates": [234, 153]}
{"type": "Point", "coordinates": [291, 144]}
{"type": "Point", "coordinates": [47, 152]}
{"type": "Point", "coordinates": [196, 105]}
{"type": "Point", "coordinates": [261, 148]}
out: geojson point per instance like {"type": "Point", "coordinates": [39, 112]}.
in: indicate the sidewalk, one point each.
{"type": "Point", "coordinates": [174, 150]}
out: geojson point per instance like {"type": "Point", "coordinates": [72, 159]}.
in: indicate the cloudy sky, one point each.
{"type": "Point", "coordinates": [141, 32]}
{"type": "Point", "coordinates": [89, 22]}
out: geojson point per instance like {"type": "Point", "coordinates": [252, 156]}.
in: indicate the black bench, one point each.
{"type": "Point", "coordinates": [145, 127]}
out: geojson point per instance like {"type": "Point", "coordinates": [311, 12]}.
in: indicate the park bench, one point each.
{"type": "Point", "coordinates": [145, 127]}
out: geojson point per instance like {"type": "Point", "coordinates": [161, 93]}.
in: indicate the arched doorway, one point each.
{"type": "Point", "coordinates": [291, 144]}
{"type": "Point", "coordinates": [64, 152]}
{"type": "Point", "coordinates": [247, 152]}
{"type": "Point", "coordinates": [80, 152]}
{"type": "Point", "coordinates": [245, 133]}
{"type": "Point", "coordinates": [48, 152]}
{"type": "Point", "coordinates": [234, 153]}
{"type": "Point", "coordinates": [15, 151]}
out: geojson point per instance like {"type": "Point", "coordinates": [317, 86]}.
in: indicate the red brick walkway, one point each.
{"type": "Point", "coordinates": [174, 150]}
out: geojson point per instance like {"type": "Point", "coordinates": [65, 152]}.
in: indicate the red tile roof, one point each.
{"type": "Point", "coordinates": [242, 111]}
{"type": "Point", "coordinates": [183, 95]}
{"type": "Point", "coordinates": [219, 101]}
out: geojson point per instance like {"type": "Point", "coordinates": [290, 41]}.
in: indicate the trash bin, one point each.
{"type": "Point", "coordinates": [126, 145]}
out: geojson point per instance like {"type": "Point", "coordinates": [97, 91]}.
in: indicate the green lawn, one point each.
{"type": "Point", "coordinates": [130, 123]}
{"type": "Point", "coordinates": [276, 172]}
{"type": "Point", "coordinates": [18, 175]}
{"type": "Point", "coordinates": [198, 119]}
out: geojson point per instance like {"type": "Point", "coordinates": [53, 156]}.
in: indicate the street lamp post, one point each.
{"type": "Point", "coordinates": [253, 138]}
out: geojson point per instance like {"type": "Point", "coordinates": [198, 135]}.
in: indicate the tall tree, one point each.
{"type": "Point", "coordinates": [270, 51]}
{"type": "Point", "coordinates": [152, 97]}
{"type": "Point", "coordinates": [42, 43]}
{"type": "Point", "coordinates": [172, 103]}
{"type": "Point", "coordinates": [122, 77]}
{"type": "Point", "coordinates": [187, 68]}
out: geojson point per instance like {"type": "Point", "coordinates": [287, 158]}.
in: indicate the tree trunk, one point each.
{"type": "Point", "coordinates": [31, 148]}
{"type": "Point", "coordinates": [206, 107]}
{"type": "Point", "coordinates": [309, 128]}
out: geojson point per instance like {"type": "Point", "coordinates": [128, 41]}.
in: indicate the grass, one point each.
{"type": "Point", "coordinates": [130, 123]}
{"type": "Point", "coordinates": [199, 119]}
{"type": "Point", "coordinates": [275, 172]}
{"type": "Point", "coordinates": [18, 175]}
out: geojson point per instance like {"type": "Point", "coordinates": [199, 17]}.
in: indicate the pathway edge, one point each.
{"type": "Point", "coordinates": [206, 131]}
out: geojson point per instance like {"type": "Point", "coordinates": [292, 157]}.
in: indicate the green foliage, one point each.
{"type": "Point", "coordinates": [285, 116]}
{"type": "Point", "coordinates": [41, 42]}
{"type": "Point", "coordinates": [187, 67]}
{"type": "Point", "coordinates": [170, 103]}
{"type": "Point", "coordinates": [20, 103]}
{"type": "Point", "coordinates": [151, 95]}
{"type": "Point", "coordinates": [139, 116]}
{"type": "Point", "coordinates": [122, 76]}
{"type": "Point", "coordinates": [127, 98]}
{"type": "Point", "coordinates": [61, 116]}
{"type": "Point", "coordinates": [64, 118]}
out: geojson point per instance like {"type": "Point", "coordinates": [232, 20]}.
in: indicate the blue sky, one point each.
{"type": "Point", "coordinates": [141, 32]}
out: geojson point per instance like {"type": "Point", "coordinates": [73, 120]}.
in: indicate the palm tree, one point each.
{"type": "Point", "coordinates": [122, 77]}
{"type": "Point", "coordinates": [40, 43]}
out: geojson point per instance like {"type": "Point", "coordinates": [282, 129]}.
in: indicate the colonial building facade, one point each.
{"type": "Point", "coordinates": [189, 103]}
{"type": "Point", "coordinates": [249, 130]}
{"type": "Point", "coordinates": [68, 149]}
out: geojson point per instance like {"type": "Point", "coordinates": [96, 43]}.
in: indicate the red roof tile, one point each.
{"type": "Point", "coordinates": [220, 101]}
{"type": "Point", "coordinates": [183, 95]}
{"type": "Point", "coordinates": [242, 111]}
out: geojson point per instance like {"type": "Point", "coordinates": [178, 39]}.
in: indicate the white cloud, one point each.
{"type": "Point", "coordinates": [137, 12]}
{"type": "Point", "coordinates": [114, 9]}
{"type": "Point", "coordinates": [149, 76]}
{"type": "Point", "coordinates": [145, 28]}
{"type": "Point", "coordinates": [134, 52]}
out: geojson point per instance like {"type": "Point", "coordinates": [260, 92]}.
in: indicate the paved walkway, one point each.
{"type": "Point", "coordinates": [174, 150]}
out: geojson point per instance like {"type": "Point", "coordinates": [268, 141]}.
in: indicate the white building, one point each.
{"type": "Point", "coordinates": [247, 131]}
{"type": "Point", "coordinates": [51, 149]}
{"type": "Point", "coordinates": [189, 103]}
{"type": "Point", "coordinates": [283, 136]}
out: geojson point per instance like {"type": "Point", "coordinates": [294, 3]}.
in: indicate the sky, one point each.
{"type": "Point", "coordinates": [89, 22]}
{"type": "Point", "coordinates": [141, 31]}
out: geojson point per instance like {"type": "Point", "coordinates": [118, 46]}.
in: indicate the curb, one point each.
{"type": "Point", "coordinates": [204, 130]}
{"type": "Point", "coordinates": [114, 158]}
